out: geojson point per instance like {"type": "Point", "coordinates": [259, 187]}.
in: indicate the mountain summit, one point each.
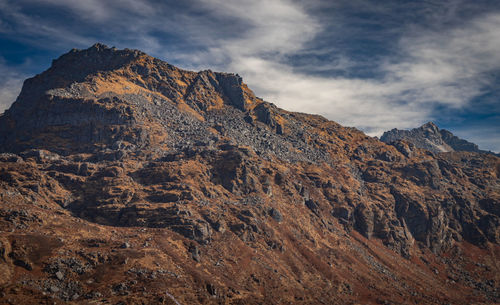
{"type": "Point", "coordinates": [430, 137]}
{"type": "Point", "coordinates": [77, 104]}
{"type": "Point", "coordinates": [126, 179]}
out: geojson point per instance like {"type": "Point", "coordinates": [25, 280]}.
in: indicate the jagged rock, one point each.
{"type": "Point", "coordinates": [430, 137]}
{"type": "Point", "coordinates": [59, 275]}
{"type": "Point", "coordinates": [276, 215]}
{"type": "Point", "coordinates": [364, 220]}
{"type": "Point", "coordinates": [211, 289]}
{"type": "Point", "coordinates": [267, 114]}
{"type": "Point", "coordinates": [406, 148]}
{"type": "Point", "coordinates": [343, 213]}
{"type": "Point", "coordinates": [8, 157]}
{"type": "Point", "coordinates": [195, 252]}
{"type": "Point", "coordinates": [312, 205]}
{"type": "Point", "coordinates": [54, 289]}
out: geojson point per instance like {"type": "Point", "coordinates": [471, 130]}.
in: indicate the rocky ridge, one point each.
{"type": "Point", "coordinates": [430, 137]}
{"type": "Point", "coordinates": [169, 167]}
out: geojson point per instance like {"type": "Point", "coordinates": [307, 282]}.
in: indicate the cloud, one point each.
{"type": "Point", "coordinates": [277, 27]}
{"type": "Point", "coordinates": [450, 67]}
{"type": "Point", "coordinates": [10, 84]}
{"type": "Point", "coordinates": [262, 29]}
{"type": "Point", "coordinates": [36, 31]}
{"type": "Point", "coordinates": [101, 11]}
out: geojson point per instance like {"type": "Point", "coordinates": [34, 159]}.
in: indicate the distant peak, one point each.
{"type": "Point", "coordinates": [430, 125]}
{"type": "Point", "coordinates": [430, 128]}
{"type": "Point", "coordinates": [99, 46]}
{"type": "Point", "coordinates": [430, 137]}
{"type": "Point", "coordinates": [96, 47]}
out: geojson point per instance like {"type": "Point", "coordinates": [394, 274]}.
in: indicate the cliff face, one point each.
{"type": "Point", "coordinates": [141, 175]}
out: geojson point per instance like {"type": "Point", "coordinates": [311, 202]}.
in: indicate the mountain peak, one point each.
{"type": "Point", "coordinates": [430, 125]}
{"type": "Point", "coordinates": [100, 46]}
{"type": "Point", "coordinates": [83, 87]}
{"type": "Point", "coordinates": [98, 57]}
{"type": "Point", "coordinates": [78, 65]}
{"type": "Point", "coordinates": [430, 137]}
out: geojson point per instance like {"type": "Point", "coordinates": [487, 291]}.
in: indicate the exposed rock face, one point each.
{"type": "Point", "coordinates": [430, 137]}
{"type": "Point", "coordinates": [273, 206]}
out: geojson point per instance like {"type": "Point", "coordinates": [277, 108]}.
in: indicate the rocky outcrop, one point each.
{"type": "Point", "coordinates": [430, 137]}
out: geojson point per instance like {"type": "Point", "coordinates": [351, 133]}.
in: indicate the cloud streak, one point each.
{"type": "Point", "coordinates": [10, 84]}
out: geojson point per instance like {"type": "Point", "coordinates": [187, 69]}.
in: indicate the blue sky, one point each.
{"type": "Point", "coordinates": [375, 65]}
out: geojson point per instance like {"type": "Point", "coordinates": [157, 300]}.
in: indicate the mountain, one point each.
{"type": "Point", "coordinates": [430, 137]}
{"type": "Point", "coordinates": [124, 179]}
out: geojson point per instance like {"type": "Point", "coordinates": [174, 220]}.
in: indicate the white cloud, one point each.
{"type": "Point", "coordinates": [36, 30]}
{"type": "Point", "coordinates": [273, 26]}
{"type": "Point", "coordinates": [10, 85]}
{"type": "Point", "coordinates": [98, 11]}
{"type": "Point", "coordinates": [449, 66]}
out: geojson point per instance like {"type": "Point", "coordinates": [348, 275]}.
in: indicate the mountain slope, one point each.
{"type": "Point", "coordinates": [131, 177]}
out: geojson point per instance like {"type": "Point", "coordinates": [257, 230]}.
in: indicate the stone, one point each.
{"type": "Point", "coordinates": [195, 252]}
{"type": "Point", "coordinates": [276, 215]}
{"type": "Point", "coordinates": [59, 275]}
{"type": "Point", "coordinates": [54, 289]}
{"type": "Point", "coordinates": [312, 205]}
{"type": "Point", "coordinates": [211, 289]}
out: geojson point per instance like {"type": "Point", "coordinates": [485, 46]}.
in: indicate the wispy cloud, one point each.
{"type": "Point", "coordinates": [36, 30]}
{"type": "Point", "coordinates": [10, 84]}
{"type": "Point", "coordinates": [101, 11]}
{"type": "Point", "coordinates": [450, 67]}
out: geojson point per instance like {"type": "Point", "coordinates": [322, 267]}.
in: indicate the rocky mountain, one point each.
{"type": "Point", "coordinates": [126, 180]}
{"type": "Point", "coordinates": [430, 137]}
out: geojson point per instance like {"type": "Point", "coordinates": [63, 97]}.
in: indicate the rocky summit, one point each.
{"type": "Point", "coordinates": [430, 137]}
{"type": "Point", "coordinates": [126, 180]}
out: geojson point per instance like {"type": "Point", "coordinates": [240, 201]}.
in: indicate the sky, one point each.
{"type": "Point", "coordinates": [374, 65]}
